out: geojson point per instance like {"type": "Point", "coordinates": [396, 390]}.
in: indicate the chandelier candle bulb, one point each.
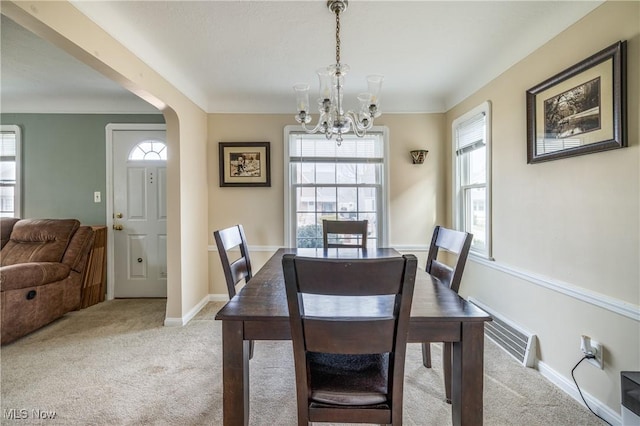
{"type": "Point", "coordinates": [324, 77]}
{"type": "Point", "coordinates": [302, 101]}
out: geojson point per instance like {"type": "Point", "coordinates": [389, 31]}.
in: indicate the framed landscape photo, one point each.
{"type": "Point", "coordinates": [245, 164]}
{"type": "Point", "coordinates": [580, 110]}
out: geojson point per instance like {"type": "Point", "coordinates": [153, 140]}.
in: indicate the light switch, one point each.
{"type": "Point", "coordinates": [97, 198]}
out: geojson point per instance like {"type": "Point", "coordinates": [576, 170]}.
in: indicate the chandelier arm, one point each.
{"type": "Point", "coordinates": [358, 128]}
{"type": "Point", "coordinates": [350, 117]}
{"type": "Point", "coordinates": [358, 124]}
{"type": "Point", "coordinates": [316, 129]}
{"type": "Point", "coordinates": [320, 126]}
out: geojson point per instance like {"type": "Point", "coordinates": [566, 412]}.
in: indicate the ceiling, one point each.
{"type": "Point", "coordinates": [37, 77]}
{"type": "Point", "coordinates": [245, 56]}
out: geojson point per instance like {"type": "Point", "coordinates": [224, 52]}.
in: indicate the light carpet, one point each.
{"type": "Point", "coordinates": [116, 364]}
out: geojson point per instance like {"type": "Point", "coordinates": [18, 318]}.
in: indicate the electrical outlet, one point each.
{"type": "Point", "coordinates": [591, 347]}
{"type": "Point", "coordinates": [97, 198]}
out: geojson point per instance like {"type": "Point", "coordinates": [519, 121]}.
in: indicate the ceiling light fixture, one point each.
{"type": "Point", "coordinates": [333, 119]}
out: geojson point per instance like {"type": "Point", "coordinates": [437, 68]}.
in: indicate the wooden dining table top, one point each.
{"type": "Point", "coordinates": [264, 297]}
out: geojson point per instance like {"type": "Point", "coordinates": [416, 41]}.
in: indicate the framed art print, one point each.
{"type": "Point", "coordinates": [244, 164]}
{"type": "Point", "coordinates": [580, 110]}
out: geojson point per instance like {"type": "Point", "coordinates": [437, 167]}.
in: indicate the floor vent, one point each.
{"type": "Point", "coordinates": [514, 340]}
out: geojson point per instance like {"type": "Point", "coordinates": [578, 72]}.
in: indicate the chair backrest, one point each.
{"type": "Point", "coordinates": [369, 316]}
{"type": "Point", "coordinates": [455, 242]}
{"type": "Point", "coordinates": [239, 269]}
{"type": "Point", "coordinates": [355, 229]}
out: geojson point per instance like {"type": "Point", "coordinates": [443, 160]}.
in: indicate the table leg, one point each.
{"type": "Point", "coordinates": [235, 374]}
{"type": "Point", "coordinates": [446, 369]}
{"type": "Point", "coordinates": [468, 372]}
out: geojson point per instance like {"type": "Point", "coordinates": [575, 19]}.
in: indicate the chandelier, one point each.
{"type": "Point", "coordinates": [333, 119]}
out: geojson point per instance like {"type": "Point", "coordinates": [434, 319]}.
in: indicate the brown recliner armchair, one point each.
{"type": "Point", "coordinates": [42, 265]}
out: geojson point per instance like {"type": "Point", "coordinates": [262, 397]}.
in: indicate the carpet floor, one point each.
{"type": "Point", "coordinates": [114, 363]}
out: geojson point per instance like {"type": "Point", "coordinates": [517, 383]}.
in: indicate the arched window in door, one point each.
{"type": "Point", "coordinates": [149, 150]}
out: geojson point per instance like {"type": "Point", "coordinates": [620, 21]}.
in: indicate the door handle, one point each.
{"type": "Point", "coordinates": [118, 227]}
{"type": "Point", "coordinates": [119, 215]}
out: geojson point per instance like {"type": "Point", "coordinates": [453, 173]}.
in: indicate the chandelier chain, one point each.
{"type": "Point", "coordinates": [338, 36]}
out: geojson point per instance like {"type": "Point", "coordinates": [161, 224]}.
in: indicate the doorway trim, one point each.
{"type": "Point", "coordinates": [110, 128]}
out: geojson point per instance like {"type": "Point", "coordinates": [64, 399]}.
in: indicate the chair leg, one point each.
{"type": "Point", "coordinates": [426, 354]}
{"type": "Point", "coordinates": [251, 349]}
{"type": "Point", "coordinates": [447, 361]}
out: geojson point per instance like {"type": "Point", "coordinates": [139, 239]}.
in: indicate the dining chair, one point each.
{"type": "Point", "coordinates": [349, 323]}
{"type": "Point", "coordinates": [236, 271]}
{"type": "Point", "coordinates": [353, 228]}
{"type": "Point", "coordinates": [457, 244]}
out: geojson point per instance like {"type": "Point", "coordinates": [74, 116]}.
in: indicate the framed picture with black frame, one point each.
{"type": "Point", "coordinates": [580, 110]}
{"type": "Point", "coordinates": [245, 163]}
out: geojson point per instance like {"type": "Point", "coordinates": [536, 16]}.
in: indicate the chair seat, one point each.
{"type": "Point", "coordinates": [349, 380]}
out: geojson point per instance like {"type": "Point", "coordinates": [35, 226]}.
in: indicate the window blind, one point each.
{"type": "Point", "coordinates": [7, 144]}
{"type": "Point", "coordinates": [470, 134]}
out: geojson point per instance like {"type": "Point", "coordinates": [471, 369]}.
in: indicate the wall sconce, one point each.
{"type": "Point", "coordinates": [418, 155]}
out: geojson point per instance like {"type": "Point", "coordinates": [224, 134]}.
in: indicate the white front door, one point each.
{"type": "Point", "coordinates": [139, 213]}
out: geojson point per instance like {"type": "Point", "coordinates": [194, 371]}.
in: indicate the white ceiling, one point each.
{"type": "Point", "coordinates": [37, 77]}
{"type": "Point", "coordinates": [245, 56]}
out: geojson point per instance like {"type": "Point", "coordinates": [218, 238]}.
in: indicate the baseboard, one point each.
{"type": "Point", "coordinates": [178, 322]}
{"type": "Point", "coordinates": [173, 322]}
{"type": "Point", "coordinates": [218, 297]}
{"type": "Point", "coordinates": [568, 387]}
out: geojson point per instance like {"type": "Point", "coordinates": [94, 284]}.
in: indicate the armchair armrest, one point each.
{"type": "Point", "coordinates": [24, 275]}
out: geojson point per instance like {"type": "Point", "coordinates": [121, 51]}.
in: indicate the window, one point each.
{"type": "Point", "coordinates": [472, 177]}
{"type": "Point", "coordinates": [149, 151]}
{"type": "Point", "coordinates": [10, 171]}
{"type": "Point", "coordinates": [327, 181]}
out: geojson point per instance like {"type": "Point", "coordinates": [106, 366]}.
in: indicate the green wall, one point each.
{"type": "Point", "coordinates": [64, 162]}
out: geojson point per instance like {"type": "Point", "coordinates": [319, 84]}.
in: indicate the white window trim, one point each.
{"type": "Point", "coordinates": [456, 219]}
{"type": "Point", "coordinates": [383, 238]}
{"type": "Point", "coordinates": [17, 202]}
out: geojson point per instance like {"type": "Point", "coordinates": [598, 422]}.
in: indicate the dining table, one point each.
{"type": "Point", "coordinates": [438, 314]}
